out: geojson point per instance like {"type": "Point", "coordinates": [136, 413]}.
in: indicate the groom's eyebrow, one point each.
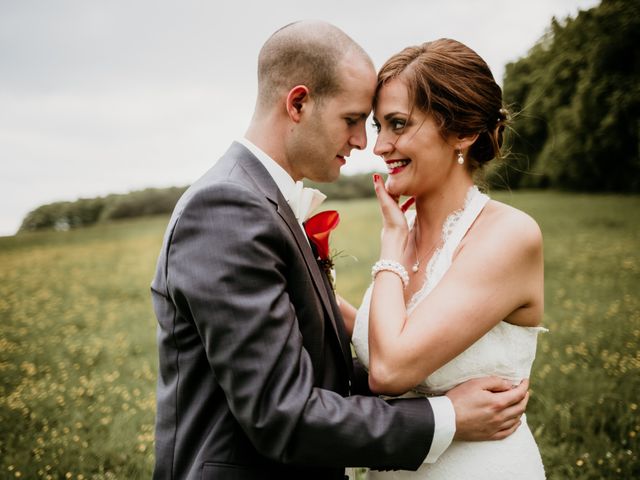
{"type": "Point", "coordinates": [359, 115]}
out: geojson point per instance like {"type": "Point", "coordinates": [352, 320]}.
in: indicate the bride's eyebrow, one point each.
{"type": "Point", "coordinates": [390, 115]}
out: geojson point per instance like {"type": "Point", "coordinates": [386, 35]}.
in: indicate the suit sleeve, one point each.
{"type": "Point", "coordinates": [360, 381]}
{"type": "Point", "coordinates": [226, 264]}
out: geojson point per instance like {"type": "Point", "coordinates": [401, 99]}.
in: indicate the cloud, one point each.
{"type": "Point", "coordinates": [101, 97]}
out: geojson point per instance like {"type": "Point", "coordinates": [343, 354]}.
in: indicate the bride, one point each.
{"type": "Point", "coordinates": [458, 290]}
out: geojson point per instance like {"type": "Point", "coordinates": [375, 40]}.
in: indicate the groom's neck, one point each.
{"type": "Point", "coordinates": [267, 134]}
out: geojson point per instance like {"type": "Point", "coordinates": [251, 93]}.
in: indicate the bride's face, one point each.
{"type": "Point", "coordinates": [418, 158]}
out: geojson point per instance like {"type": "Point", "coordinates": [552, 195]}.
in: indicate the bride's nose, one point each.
{"type": "Point", "coordinates": [383, 146]}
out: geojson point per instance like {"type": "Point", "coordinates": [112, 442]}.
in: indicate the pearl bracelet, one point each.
{"type": "Point", "coordinates": [391, 266]}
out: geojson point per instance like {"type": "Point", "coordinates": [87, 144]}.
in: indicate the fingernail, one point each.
{"type": "Point", "coordinates": [376, 177]}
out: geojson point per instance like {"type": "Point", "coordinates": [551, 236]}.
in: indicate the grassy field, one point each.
{"type": "Point", "coordinates": [78, 358]}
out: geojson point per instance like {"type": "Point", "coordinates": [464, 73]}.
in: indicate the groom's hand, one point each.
{"type": "Point", "coordinates": [488, 408]}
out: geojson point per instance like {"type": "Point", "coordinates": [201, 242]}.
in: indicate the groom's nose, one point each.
{"type": "Point", "coordinates": [359, 138]}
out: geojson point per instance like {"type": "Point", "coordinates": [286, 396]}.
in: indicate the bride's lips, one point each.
{"type": "Point", "coordinates": [395, 166]}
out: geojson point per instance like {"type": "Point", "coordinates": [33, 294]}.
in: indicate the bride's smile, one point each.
{"type": "Point", "coordinates": [396, 166]}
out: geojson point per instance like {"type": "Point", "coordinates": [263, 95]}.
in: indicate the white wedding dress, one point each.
{"type": "Point", "coordinates": [506, 351]}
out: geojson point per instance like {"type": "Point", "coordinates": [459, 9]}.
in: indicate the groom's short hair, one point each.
{"type": "Point", "coordinates": [303, 53]}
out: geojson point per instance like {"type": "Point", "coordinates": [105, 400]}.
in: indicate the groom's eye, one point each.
{"type": "Point", "coordinates": [351, 121]}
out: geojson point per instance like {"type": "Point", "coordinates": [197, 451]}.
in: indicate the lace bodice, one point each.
{"type": "Point", "coordinates": [506, 350]}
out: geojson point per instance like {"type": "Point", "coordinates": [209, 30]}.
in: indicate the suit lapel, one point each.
{"type": "Point", "coordinates": [319, 278]}
{"type": "Point", "coordinates": [268, 186]}
{"type": "Point", "coordinates": [341, 330]}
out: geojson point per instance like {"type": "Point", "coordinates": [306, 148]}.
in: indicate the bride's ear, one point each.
{"type": "Point", "coordinates": [463, 142]}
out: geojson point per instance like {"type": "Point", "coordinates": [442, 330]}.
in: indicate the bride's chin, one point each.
{"type": "Point", "coordinates": [394, 189]}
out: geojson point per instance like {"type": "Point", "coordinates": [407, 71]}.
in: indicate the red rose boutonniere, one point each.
{"type": "Point", "coordinates": [318, 228]}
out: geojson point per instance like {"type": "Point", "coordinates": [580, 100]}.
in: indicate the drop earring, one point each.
{"type": "Point", "coordinates": [460, 158]}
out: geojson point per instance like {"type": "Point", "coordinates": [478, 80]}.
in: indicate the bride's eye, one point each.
{"type": "Point", "coordinates": [376, 125]}
{"type": "Point", "coordinates": [397, 124]}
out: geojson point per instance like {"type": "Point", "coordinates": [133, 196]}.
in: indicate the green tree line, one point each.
{"type": "Point", "coordinates": [577, 101]}
{"type": "Point", "coordinates": [154, 201]}
{"type": "Point", "coordinates": [87, 211]}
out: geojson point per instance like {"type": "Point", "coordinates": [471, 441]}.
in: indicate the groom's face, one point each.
{"type": "Point", "coordinates": [337, 124]}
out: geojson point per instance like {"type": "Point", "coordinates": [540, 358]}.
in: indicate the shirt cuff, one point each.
{"type": "Point", "coordinates": [444, 417]}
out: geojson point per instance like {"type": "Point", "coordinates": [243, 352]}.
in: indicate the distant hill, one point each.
{"type": "Point", "coordinates": [155, 201]}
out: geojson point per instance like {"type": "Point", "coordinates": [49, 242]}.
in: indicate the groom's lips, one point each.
{"type": "Point", "coordinates": [341, 158]}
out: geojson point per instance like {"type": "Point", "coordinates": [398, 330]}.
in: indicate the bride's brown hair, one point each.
{"type": "Point", "coordinates": [451, 82]}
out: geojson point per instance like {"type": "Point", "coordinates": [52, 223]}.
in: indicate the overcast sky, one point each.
{"type": "Point", "coordinates": [100, 97]}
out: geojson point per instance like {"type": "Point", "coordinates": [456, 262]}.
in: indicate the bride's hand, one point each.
{"type": "Point", "coordinates": [395, 230]}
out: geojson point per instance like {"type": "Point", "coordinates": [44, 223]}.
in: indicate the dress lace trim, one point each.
{"type": "Point", "coordinates": [448, 228]}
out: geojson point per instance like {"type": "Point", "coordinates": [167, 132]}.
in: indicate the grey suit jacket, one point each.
{"type": "Point", "coordinates": [255, 369]}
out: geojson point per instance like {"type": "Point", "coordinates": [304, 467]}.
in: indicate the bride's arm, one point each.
{"type": "Point", "coordinates": [348, 314]}
{"type": "Point", "coordinates": [497, 273]}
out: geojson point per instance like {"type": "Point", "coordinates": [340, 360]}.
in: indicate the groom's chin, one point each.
{"type": "Point", "coordinates": [328, 176]}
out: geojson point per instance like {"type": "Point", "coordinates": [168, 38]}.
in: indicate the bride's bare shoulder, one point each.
{"type": "Point", "coordinates": [506, 225]}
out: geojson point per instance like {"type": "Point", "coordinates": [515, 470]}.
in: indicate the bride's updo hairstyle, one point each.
{"type": "Point", "coordinates": [451, 82]}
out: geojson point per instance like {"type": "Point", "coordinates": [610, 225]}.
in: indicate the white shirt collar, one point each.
{"type": "Point", "coordinates": [282, 178]}
{"type": "Point", "coordinates": [302, 200]}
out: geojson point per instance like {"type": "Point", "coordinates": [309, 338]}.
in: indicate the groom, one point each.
{"type": "Point", "coordinates": [256, 379]}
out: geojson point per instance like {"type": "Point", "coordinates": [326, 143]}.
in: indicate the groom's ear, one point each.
{"type": "Point", "coordinates": [297, 100]}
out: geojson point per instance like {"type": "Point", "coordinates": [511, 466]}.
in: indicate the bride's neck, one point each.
{"type": "Point", "coordinates": [434, 207]}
